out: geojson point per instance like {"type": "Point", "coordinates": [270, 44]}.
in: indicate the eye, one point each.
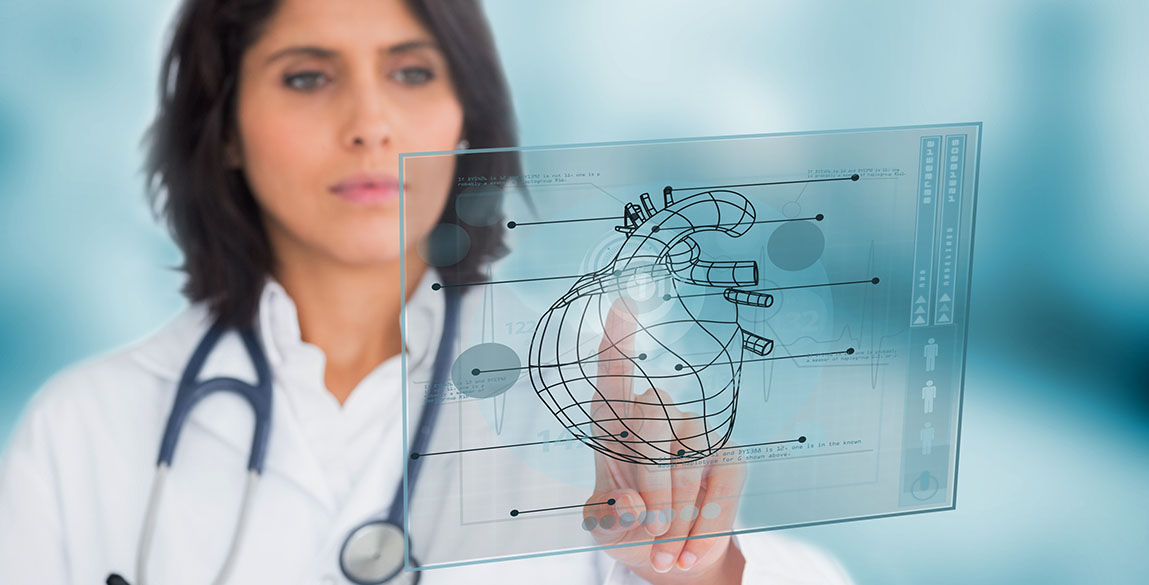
{"type": "Point", "coordinates": [304, 81]}
{"type": "Point", "coordinates": [413, 75]}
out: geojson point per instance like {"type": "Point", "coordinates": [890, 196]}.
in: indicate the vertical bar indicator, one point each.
{"type": "Point", "coordinates": [928, 177]}
{"type": "Point", "coordinates": [950, 204]}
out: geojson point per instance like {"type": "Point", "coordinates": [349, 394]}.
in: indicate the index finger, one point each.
{"type": "Point", "coordinates": [615, 378]}
{"type": "Point", "coordinates": [613, 405]}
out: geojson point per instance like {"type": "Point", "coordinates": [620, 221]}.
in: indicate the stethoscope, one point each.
{"type": "Point", "coordinates": [374, 551]}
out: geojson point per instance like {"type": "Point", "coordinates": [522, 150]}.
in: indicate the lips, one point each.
{"type": "Point", "coordinates": [367, 188]}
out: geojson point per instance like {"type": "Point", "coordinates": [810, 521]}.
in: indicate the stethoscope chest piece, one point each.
{"type": "Point", "coordinates": [374, 553]}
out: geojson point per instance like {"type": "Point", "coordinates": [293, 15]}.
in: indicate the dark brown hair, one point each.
{"type": "Point", "coordinates": [208, 206]}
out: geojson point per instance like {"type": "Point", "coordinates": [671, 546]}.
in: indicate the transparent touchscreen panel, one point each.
{"type": "Point", "coordinates": [681, 338]}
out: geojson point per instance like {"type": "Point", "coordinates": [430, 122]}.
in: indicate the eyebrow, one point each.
{"type": "Point", "coordinates": [323, 53]}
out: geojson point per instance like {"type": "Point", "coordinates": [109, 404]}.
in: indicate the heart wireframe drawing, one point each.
{"type": "Point", "coordinates": [685, 339]}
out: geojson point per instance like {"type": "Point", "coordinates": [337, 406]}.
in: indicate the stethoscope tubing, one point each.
{"type": "Point", "coordinates": [396, 515]}
{"type": "Point", "coordinates": [259, 396]}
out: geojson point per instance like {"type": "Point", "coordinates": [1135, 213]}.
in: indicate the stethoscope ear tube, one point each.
{"type": "Point", "coordinates": [188, 394]}
{"type": "Point", "coordinates": [191, 391]}
{"type": "Point", "coordinates": [144, 551]}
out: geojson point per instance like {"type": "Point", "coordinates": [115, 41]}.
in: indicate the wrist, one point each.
{"type": "Point", "coordinates": [733, 566]}
{"type": "Point", "coordinates": [727, 571]}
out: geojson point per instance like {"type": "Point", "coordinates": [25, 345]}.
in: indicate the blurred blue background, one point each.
{"type": "Point", "coordinates": [1055, 442]}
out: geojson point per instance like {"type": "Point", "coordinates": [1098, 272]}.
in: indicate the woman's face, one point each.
{"type": "Point", "coordinates": [327, 97]}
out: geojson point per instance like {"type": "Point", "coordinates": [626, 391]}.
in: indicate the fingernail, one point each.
{"type": "Point", "coordinates": [655, 527]}
{"type": "Point", "coordinates": [687, 560]}
{"type": "Point", "coordinates": [663, 562]}
{"type": "Point", "coordinates": [623, 505]}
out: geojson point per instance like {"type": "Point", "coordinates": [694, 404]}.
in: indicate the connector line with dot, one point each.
{"type": "Point", "coordinates": [517, 512]}
{"type": "Point", "coordinates": [874, 280]}
{"type": "Point", "coordinates": [668, 189]}
{"type": "Point", "coordinates": [477, 371]}
{"type": "Point", "coordinates": [801, 439]}
{"type": "Point", "coordinates": [514, 224]}
{"type": "Point", "coordinates": [818, 217]}
{"type": "Point", "coordinates": [623, 435]}
{"type": "Point", "coordinates": [681, 452]}
{"type": "Point", "coordinates": [853, 177]}
{"type": "Point", "coordinates": [438, 286]}
{"type": "Point", "coordinates": [696, 367]}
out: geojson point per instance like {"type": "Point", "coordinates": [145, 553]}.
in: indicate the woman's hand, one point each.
{"type": "Point", "coordinates": [633, 502]}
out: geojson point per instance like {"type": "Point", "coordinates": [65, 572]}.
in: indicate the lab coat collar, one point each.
{"type": "Point", "coordinates": [279, 329]}
{"type": "Point", "coordinates": [167, 351]}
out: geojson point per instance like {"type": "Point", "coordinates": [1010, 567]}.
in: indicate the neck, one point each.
{"type": "Point", "coordinates": [349, 312]}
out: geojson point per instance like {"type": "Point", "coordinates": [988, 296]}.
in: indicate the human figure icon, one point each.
{"type": "Point", "coordinates": [929, 392]}
{"type": "Point", "coordinates": [931, 353]}
{"type": "Point", "coordinates": [927, 436]}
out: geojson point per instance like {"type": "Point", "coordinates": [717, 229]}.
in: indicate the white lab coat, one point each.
{"type": "Point", "coordinates": [74, 479]}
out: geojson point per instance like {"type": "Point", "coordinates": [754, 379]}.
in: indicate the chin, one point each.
{"type": "Point", "coordinates": [367, 249]}
{"type": "Point", "coordinates": [367, 240]}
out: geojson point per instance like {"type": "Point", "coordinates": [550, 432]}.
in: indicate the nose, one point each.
{"type": "Point", "coordinates": [368, 125]}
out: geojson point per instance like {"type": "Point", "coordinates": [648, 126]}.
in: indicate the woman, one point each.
{"type": "Point", "coordinates": [274, 155]}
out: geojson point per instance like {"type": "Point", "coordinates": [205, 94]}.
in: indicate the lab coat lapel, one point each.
{"type": "Point", "coordinates": [227, 417]}
{"type": "Point", "coordinates": [372, 495]}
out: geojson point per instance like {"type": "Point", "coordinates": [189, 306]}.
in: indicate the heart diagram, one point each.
{"type": "Point", "coordinates": [684, 338]}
